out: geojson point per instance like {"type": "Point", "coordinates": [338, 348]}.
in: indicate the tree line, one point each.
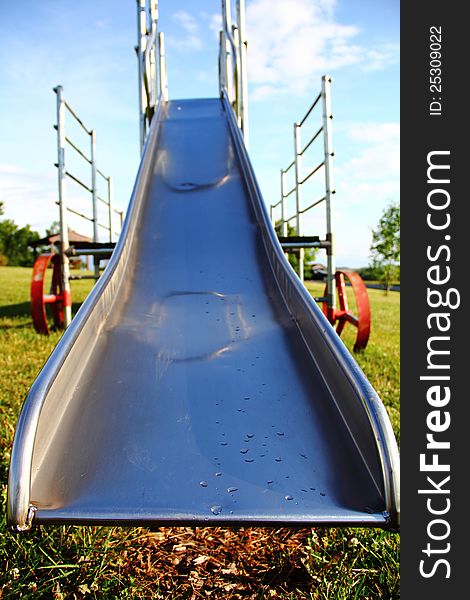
{"type": "Point", "coordinates": [384, 250]}
{"type": "Point", "coordinates": [14, 240]}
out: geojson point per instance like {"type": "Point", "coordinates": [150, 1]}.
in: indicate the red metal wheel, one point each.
{"type": "Point", "coordinates": [55, 298]}
{"type": "Point", "coordinates": [343, 314]}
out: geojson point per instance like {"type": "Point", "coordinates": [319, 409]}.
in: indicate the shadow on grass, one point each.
{"type": "Point", "coordinates": [12, 311]}
{"type": "Point", "coordinates": [23, 309]}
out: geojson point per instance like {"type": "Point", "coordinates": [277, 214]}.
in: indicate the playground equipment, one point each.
{"type": "Point", "coordinates": [199, 383]}
{"type": "Point", "coordinates": [335, 280]}
{"type": "Point", "coordinates": [60, 296]}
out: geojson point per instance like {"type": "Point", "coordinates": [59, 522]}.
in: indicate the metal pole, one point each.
{"type": "Point", "coordinates": [222, 62]}
{"type": "Point", "coordinates": [226, 20]}
{"type": "Point", "coordinates": [153, 80]}
{"type": "Point", "coordinates": [64, 232]}
{"type": "Point", "coordinates": [163, 74]}
{"type": "Point", "coordinates": [226, 15]}
{"type": "Point", "coordinates": [140, 49]}
{"type": "Point", "coordinates": [94, 196]}
{"type": "Point", "coordinates": [236, 78]}
{"type": "Point", "coordinates": [298, 169]}
{"type": "Point", "coordinates": [243, 74]}
{"type": "Point", "coordinates": [110, 207]}
{"type": "Point", "coordinates": [283, 209]}
{"type": "Point", "coordinates": [330, 190]}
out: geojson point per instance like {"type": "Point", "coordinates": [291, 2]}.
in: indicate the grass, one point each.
{"type": "Point", "coordinates": [99, 562]}
{"type": "Point", "coordinates": [381, 359]}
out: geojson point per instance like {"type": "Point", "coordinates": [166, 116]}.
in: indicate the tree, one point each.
{"type": "Point", "coordinates": [385, 248]}
{"type": "Point", "coordinates": [14, 250]}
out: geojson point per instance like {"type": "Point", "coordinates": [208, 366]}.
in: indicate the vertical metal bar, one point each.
{"type": "Point", "coordinates": [94, 197]}
{"type": "Point", "coordinates": [236, 78]}
{"type": "Point", "coordinates": [162, 74]}
{"type": "Point", "coordinates": [110, 208]}
{"type": "Point", "coordinates": [330, 190]}
{"type": "Point", "coordinates": [140, 49]}
{"type": "Point", "coordinates": [226, 21]}
{"type": "Point", "coordinates": [298, 196]}
{"type": "Point", "coordinates": [64, 232]}
{"type": "Point", "coordinates": [222, 62]}
{"type": "Point", "coordinates": [153, 80]}
{"type": "Point", "coordinates": [94, 192]}
{"type": "Point", "coordinates": [283, 207]}
{"type": "Point", "coordinates": [226, 15]}
{"type": "Point", "coordinates": [243, 72]}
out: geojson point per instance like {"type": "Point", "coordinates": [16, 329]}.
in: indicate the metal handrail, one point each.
{"type": "Point", "coordinates": [313, 204]}
{"type": "Point", "coordinates": [307, 114]}
{"type": "Point", "coordinates": [84, 186]}
{"type": "Point", "coordinates": [307, 146]}
{"type": "Point", "coordinates": [233, 63]}
{"type": "Point", "coordinates": [312, 172]}
{"type": "Point", "coordinates": [63, 173]}
{"type": "Point", "coordinates": [327, 166]}
{"type": "Point", "coordinates": [74, 114]}
{"type": "Point", "coordinates": [150, 49]}
{"type": "Point", "coordinates": [77, 149]}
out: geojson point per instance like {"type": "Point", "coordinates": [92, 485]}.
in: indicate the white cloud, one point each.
{"type": "Point", "coordinates": [28, 197]}
{"type": "Point", "coordinates": [377, 59]}
{"type": "Point", "coordinates": [191, 40]}
{"type": "Point", "coordinates": [292, 43]}
{"type": "Point", "coordinates": [186, 21]}
{"type": "Point", "coordinates": [378, 161]}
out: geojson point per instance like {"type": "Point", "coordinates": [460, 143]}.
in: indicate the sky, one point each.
{"type": "Point", "coordinates": [88, 48]}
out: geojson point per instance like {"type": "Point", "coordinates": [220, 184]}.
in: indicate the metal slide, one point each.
{"type": "Point", "coordinates": [199, 384]}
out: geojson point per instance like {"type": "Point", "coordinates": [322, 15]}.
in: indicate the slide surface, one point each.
{"type": "Point", "coordinates": [199, 383]}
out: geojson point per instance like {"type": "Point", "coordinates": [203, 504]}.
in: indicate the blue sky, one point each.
{"type": "Point", "coordinates": [88, 47]}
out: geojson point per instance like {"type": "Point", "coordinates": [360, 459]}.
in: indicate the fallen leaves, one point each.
{"type": "Point", "coordinates": [222, 563]}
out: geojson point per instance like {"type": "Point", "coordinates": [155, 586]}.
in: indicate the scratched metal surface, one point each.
{"type": "Point", "coordinates": [200, 401]}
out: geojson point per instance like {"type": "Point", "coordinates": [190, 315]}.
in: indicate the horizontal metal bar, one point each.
{"type": "Point", "coordinates": [312, 205]}
{"type": "Point", "coordinates": [73, 113]}
{"type": "Point", "coordinates": [301, 244]}
{"type": "Point", "coordinates": [312, 173]}
{"type": "Point", "coordinates": [79, 182]}
{"type": "Point", "coordinates": [298, 238]}
{"type": "Point", "coordinates": [321, 299]}
{"type": "Point", "coordinates": [103, 226]}
{"type": "Point", "coordinates": [300, 241]}
{"type": "Point", "coordinates": [315, 102]}
{"type": "Point", "coordinates": [72, 251]}
{"type": "Point", "coordinates": [289, 167]}
{"type": "Point", "coordinates": [311, 141]}
{"type": "Point", "coordinates": [277, 204]}
{"type": "Point", "coordinates": [103, 200]}
{"type": "Point", "coordinates": [77, 149]}
{"type": "Point", "coordinates": [289, 193]}
{"type": "Point", "coordinates": [290, 218]}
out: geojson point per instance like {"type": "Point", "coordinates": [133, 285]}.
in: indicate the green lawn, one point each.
{"type": "Point", "coordinates": [98, 562]}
